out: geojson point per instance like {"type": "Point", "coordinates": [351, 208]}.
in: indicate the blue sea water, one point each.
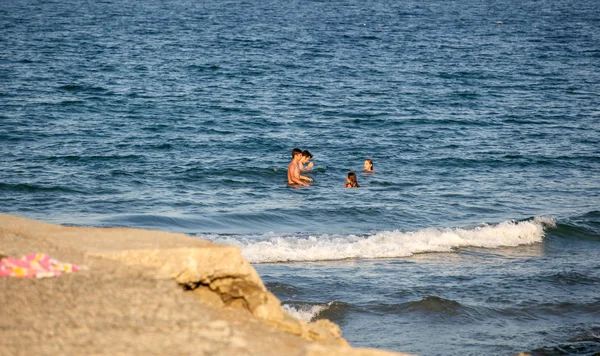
{"type": "Point", "coordinates": [479, 232]}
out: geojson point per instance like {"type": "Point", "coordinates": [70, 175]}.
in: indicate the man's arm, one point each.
{"type": "Point", "coordinates": [296, 177]}
{"type": "Point", "coordinates": [307, 168]}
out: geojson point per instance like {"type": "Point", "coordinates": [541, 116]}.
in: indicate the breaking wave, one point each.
{"type": "Point", "coordinates": [312, 311]}
{"type": "Point", "coordinates": [388, 244]}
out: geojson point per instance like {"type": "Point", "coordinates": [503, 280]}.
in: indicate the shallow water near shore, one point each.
{"type": "Point", "coordinates": [479, 232]}
{"type": "Point", "coordinates": [541, 298]}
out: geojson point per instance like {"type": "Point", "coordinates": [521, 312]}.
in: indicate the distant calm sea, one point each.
{"type": "Point", "coordinates": [479, 232]}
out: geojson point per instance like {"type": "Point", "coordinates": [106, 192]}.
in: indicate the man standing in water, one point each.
{"type": "Point", "coordinates": [294, 177]}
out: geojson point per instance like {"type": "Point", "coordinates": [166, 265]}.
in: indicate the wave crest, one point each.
{"type": "Point", "coordinates": [389, 244]}
{"type": "Point", "coordinates": [312, 311]}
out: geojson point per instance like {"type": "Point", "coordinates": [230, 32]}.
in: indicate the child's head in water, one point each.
{"type": "Point", "coordinates": [368, 165]}
{"type": "Point", "coordinates": [351, 181]}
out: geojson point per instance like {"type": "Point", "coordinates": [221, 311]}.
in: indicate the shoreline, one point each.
{"type": "Point", "coordinates": [147, 291]}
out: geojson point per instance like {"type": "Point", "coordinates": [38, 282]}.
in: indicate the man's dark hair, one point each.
{"type": "Point", "coordinates": [305, 153]}
{"type": "Point", "coordinates": [296, 151]}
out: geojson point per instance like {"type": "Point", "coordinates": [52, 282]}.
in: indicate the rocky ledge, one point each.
{"type": "Point", "coordinates": [148, 292]}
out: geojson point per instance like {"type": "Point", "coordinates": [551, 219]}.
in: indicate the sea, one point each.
{"type": "Point", "coordinates": [477, 234]}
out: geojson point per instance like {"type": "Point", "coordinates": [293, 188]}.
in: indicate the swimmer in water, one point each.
{"type": "Point", "coordinates": [368, 166]}
{"type": "Point", "coordinates": [306, 156]}
{"type": "Point", "coordinates": [294, 177]}
{"type": "Point", "coordinates": [351, 181]}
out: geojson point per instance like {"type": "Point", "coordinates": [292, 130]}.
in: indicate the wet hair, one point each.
{"type": "Point", "coordinates": [370, 162]}
{"type": "Point", "coordinates": [352, 179]}
{"type": "Point", "coordinates": [305, 153]}
{"type": "Point", "coordinates": [296, 151]}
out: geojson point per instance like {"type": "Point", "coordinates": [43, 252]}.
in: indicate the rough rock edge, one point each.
{"type": "Point", "coordinates": [220, 276]}
{"type": "Point", "coordinates": [216, 274]}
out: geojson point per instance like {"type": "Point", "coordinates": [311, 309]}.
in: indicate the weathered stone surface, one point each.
{"type": "Point", "coordinates": [147, 292]}
{"type": "Point", "coordinates": [208, 296]}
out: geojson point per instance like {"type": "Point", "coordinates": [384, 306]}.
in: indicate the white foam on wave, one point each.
{"type": "Point", "coordinates": [305, 312]}
{"type": "Point", "coordinates": [388, 244]}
